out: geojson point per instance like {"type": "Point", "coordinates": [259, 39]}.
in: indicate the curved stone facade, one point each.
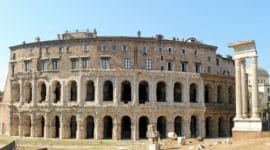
{"type": "Point", "coordinates": [98, 87]}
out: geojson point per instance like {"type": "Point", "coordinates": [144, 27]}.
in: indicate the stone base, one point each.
{"type": "Point", "coordinates": [244, 135]}
{"type": "Point", "coordinates": [154, 146]}
{"type": "Point", "coordinates": [247, 125]}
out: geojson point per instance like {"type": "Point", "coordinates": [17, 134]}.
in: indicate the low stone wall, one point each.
{"type": "Point", "coordinates": [243, 135]}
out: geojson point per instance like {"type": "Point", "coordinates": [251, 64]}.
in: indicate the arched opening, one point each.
{"type": "Point", "coordinates": [209, 127]}
{"type": "Point", "coordinates": [108, 91]}
{"type": "Point", "coordinates": [161, 126]}
{"type": "Point", "coordinates": [178, 126]}
{"type": "Point", "coordinates": [90, 125]}
{"type": "Point", "coordinates": [56, 88]}
{"type": "Point", "coordinates": [40, 126]}
{"type": "Point", "coordinates": [231, 126]}
{"type": "Point", "coordinates": [161, 92]}
{"type": "Point", "coordinates": [27, 126]}
{"type": "Point", "coordinates": [193, 93]}
{"type": "Point", "coordinates": [231, 95]}
{"type": "Point", "coordinates": [108, 127]}
{"type": "Point", "coordinates": [220, 94]}
{"type": "Point", "coordinates": [57, 126]}
{"type": "Point", "coordinates": [221, 127]}
{"type": "Point", "coordinates": [16, 92]}
{"type": "Point", "coordinates": [28, 92]}
{"type": "Point", "coordinates": [73, 91]}
{"type": "Point", "coordinates": [90, 91]}
{"type": "Point", "coordinates": [143, 92]}
{"type": "Point", "coordinates": [207, 93]}
{"type": "Point", "coordinates": [73, 127]}
{"type": "Point", "coordinates": [193, 127]}
{"type": "Point", "coordinates": [15, 125]}
{"type": "Point", "coordinates": [126, 92]}
{"type": "Point", "coordinates": [143, 123]}
{"type": "Point", "coordinates": [42, 91]}
{"type": "Point", "coordinates": [126, 128]}
{"type": "Point", "coordinates": [177, 92]}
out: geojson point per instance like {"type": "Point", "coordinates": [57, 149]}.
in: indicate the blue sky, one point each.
{"type": "Point", "coordinates": [213, 22]}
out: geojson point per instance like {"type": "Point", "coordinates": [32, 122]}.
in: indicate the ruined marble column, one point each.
{"type": "Point", "coordinates": [255, 114]}
{"type": "Point", "coordinates": [238, 89]}
{"type": "Point", "coordinates": [244, 89]}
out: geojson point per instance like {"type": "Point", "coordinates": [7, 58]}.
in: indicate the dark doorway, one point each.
{"type": "Point", "coordinates": [57, 126]}
{"type": "Point", "coordinates": [207, 90]}
{"type": "Point", "coordinates": [126, 128]}
{"type": "Point", "coordinates": [73, 91]}
{"type": "Point", "coordinates": [108, 91]}
{"type": "Point", "coordinates": [161, 92]}
{"type": "Point", "coordinates": [57, 92]}
{"type": "Point", "coordinates": [193, 93]}
{"type": "Point", "coordinates": [177, 92]}
{"type": "Point", "coordinates": [143, 92]}
{"type": "Point", "coordinates": [208, 127]}
{"type": "Point", "coordinates": [126, 92]}
{"type": "Point", "coordinates": [193, 126]}
{"type": "Point", "coordinates": [90, 125]}
{"type": "Point", "coordinates": [143, 123]}
{"type": "Point", "coordinates": [42, 91]}
{"type": "Point", "coordinates": [73, 127]}
{"type": "Point", "coordinates": [90, 91]}
{"type": "Point", "coordinates": [108, 127]}
{"type": "Point", "coordinates": [161, 127]}
{"type": "Point", "coordinates": [178, 126]}
{"type": "Point", "coordinates": [42, 126]}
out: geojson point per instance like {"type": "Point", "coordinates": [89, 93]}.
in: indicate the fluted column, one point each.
{"type": "Point", "coordinates": [244, 89]}
{"type": "Point", "coordinates": [255, 114]}
{"type": "Point", "coordinates": [238, 89]}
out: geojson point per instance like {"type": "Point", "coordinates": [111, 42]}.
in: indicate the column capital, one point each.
{"type": "Point", "coordinates": [254, 59]}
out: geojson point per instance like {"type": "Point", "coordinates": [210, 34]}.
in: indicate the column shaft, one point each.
{"type": "Point", "coordinates": [254, 86]}
{"type": "Point", "coordinates": [244, 89]}
{"type": "Point", "coordinates": [238, 90]}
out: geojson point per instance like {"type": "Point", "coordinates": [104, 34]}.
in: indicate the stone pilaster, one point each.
{"type": "Point", "coordinates": [115, 92]}
{"type": "Point", "coordinates": [116, 129]}
{"type": "Point", "coordinates": [135, 92]}
{"type": "Point", "coordinates": [98, 96]}
{"type": "Point", "coordinates": [80, 128]}
{"type": "Point", "coordinates": [46, 126]}
{"type": "Point", "coordinates": [80, 101]}
{"type": "Point", "coordinates": [34, 94]}
{"type": "Point", "coordinates": [33, 125]}
{"type": "Point", "coordinates": [20, 125]}
{"type": "Point", "coordinates": [21, 92]}
{"type": "Point", "coordinates": [62, 127]}
{"type": "Point", "coordinates": [169, 91]}
{"type": "Point", "coordinates": [63, 93]}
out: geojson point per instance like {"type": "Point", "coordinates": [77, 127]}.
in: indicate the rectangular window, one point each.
{"type": "Point", "coordinates": [27, 66]}
{"type": "Point", "coordinates": [144, 50]}
{"type": "Point", "coordinates": [160, 50]}
{"type": "Point", "coordinates": [74, 63]}
{"type": "Point", "coordinates": [217, 61]}
{"type": "Point", "coordinates": [105, 63]}
{"type": "Point", "coordinates": [195, 53]}
{"type": "Point", "coordinates": [44, 65]}
{"type": "Point", "coordinates": [85, 63]}
{"type": "Point", "coordinates": [60, 50]}
{"type": "Point", "coordinates": [148, 64]}
{"type": "Point", "coordinates": [184, 66]}
{"type": "Point", "coordinates": [209, 59]}
{"type": "Point", "coordinates": [104, 47]}
{"type": "Point", "coordinates": [68, 49]}
{"type": "Point", "coordinates": [113, 47]}
{"type": "Point", "coordinates": [12, 69]}
{"type": "Point", "coordinates": [127, 63]}
{"type": "Point", "coordinates": [197, 67]}
{"type": "Point", "coordinates": [47, 50]}
{"type": "Point", "coordinates": [209, 69]}
{"type": "Point", "coordinates": [170, 66]}
{"type": "Point", "coordinates": [183, 51]}
{"type": "Point", "coordinates": [85, 47]}
{"type": "Point", "coordinates": [124, 48]}
{"type": "Point", "coordinates": [169, 49]}
{"type": "Point", "coordinates": [54, 64]}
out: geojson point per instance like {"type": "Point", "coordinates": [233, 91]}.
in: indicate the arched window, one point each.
{"type": "Point", "coordinates": [177, 92]}
{"type": "Point", "coordinates": [42, 91]}
{"type": "Point", "coordinates": [90, 91]}
{"type": "Point", "coordinates": [28, 92]}
{"type": "Point", "coordinates": [126, 92]}
{"type": "Point", "coordinates": [193, 93]}
{"type": "Point", "coordinates": [73, 127]}
{"type": "Point", "coordinates": [108, 127]}
{"type": "Point", "coordinates": [108, 91]}
{"type": "Point", "coordinates": [161, 92]}
{"type": "Point", "coordinates": [193, 127]}
{"type": "Point", "coordinates": [221, 127]}
{"type": "Point", "coordinates": [220, 94]}
{"type": "Point", "coordinates": [143, 123]}
{"type": "Point", "coordinates": [73, 90]}
{"type": "Point", "coordinates": [56, 87]}
{"type": "Point", "coordinates": [27, 126]}
{"type": "Point", "coordinates": [178, 126]}
{"type": "Point", "coordinates": [143, 92]}
{"type": "Point", "coordinates": [90, 125]}
{"type": "Point", "coordinates": [209, 127]}
{"type": "Point", "coordinates": [16, 92]}
{"type": "Point", "coordinates": [56, 126]}
{"type": "Point", "coordinates": [126, 128]}
{"type": "Point", "coordinates": [207, 93]}
{"type": "Point", "coordinates": [161, 126]}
